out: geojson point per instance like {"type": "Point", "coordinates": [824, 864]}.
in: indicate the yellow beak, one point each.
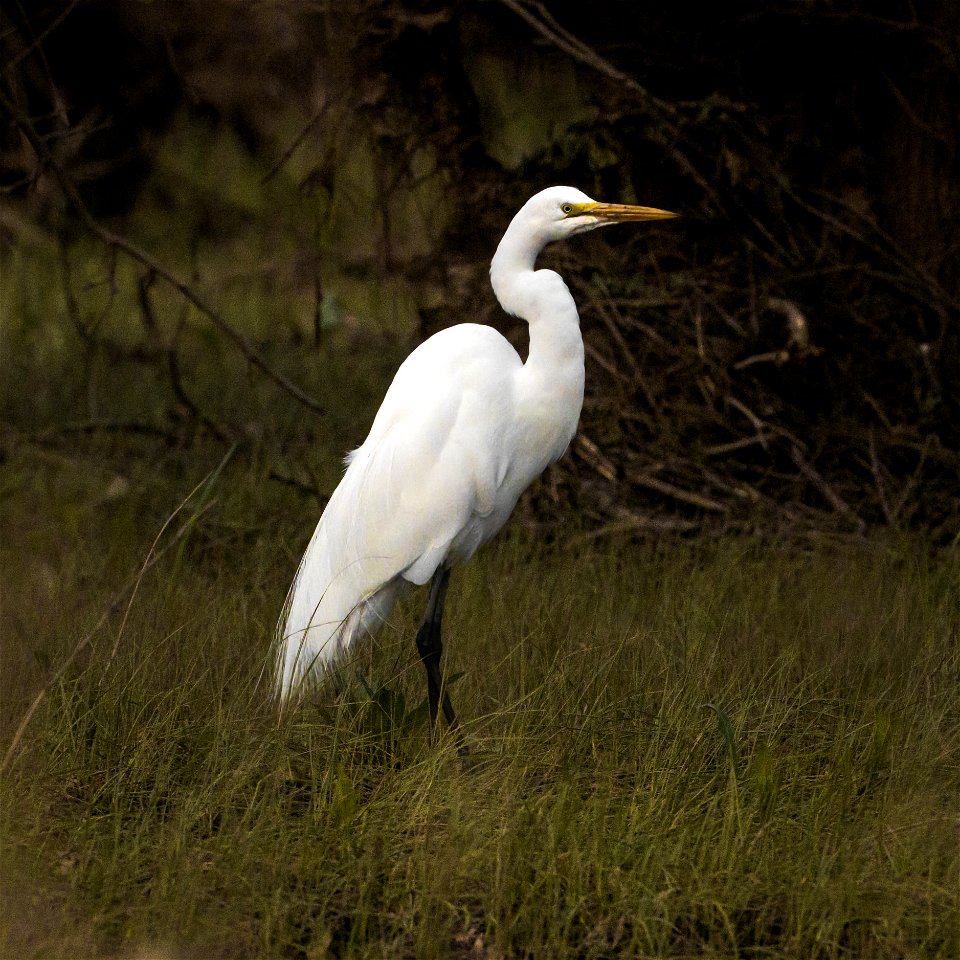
{"type": "Point", "coordinates": [619, 212]}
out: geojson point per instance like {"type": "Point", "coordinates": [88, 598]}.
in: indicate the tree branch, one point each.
{"type": "Point", "coordinates": [135, 252]}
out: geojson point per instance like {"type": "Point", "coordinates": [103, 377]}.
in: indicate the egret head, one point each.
{"type": "Point", "coordinates": [560, 212]}
{"type": "Point", "coordinates": [553, 214]}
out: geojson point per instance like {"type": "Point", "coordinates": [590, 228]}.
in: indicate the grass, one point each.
{"type": "Point", "coordinates": [723, 749]}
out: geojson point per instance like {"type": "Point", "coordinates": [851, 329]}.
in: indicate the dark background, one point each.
{"type": "Point", "coordinates": [784, 357]}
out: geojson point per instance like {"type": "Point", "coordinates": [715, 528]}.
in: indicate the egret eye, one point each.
{"type": "Point", "coordinates": [566, 208]}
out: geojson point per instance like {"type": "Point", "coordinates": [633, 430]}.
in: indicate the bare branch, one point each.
{"type": "Point", "coordinates": [544, 23]}
{"type": "Point", "coordinates": [134, 251]}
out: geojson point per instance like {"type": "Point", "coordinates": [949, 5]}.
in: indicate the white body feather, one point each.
{"type": "Point", "coordinates": [465, 427]}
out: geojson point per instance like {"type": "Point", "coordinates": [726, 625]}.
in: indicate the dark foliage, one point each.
{"type": "Point", "coordinates": [788, 355]}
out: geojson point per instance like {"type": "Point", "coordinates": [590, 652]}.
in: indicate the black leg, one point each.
{"type": "Point", "coordinates": [430, 648]}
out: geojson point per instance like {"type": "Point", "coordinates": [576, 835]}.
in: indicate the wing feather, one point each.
{"type": "Point", "coordinates": [408, 492]}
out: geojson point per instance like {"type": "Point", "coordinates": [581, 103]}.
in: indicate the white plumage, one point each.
{"type": "Point", "coordinates": [463, 430]}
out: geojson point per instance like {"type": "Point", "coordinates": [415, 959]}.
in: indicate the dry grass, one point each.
{"type": "Point", "coordinates": [723, 749]}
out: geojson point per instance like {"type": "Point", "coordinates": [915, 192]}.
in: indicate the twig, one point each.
{"type": "Point", "coordinates": [299, 485]}
{"type": "Point", "coordinates": [548, 28]}
{"type": "Point", "coordinates": [36, 43]}
{"type": "Point", "coordinates": [761, 429]}
{"type": "Point", "coordinates": [118, 242]}
{"type": "Point", "coordinates": [779, 357]}
{"type": "Point", "coordinates": [829, 494]}
{"type": "Point", "coordinates": [878, 479]}
{"type": "Point", "coordinates": [665, 131]}
{"type": "Point", "coordinates": [734, 445]}
{"type": "Point", "coordinates": [905, 266]}
{"type": "Point", "coordinates": [913, 480]}
{"type": "Point", "coordinates": [593, 455]}
{"type": "Point", "coordinates": [73, 308]}
{"type": "Point", "coordinates": [173, 360]}
{"type": "Point", "coordinates": [629, 522]}
{"type": "Point", "coordinates": [297, 140]}
{"type": "Point", "coordinates": [678, 493]}
{"type": "Point", "coordinates": [604, 307]}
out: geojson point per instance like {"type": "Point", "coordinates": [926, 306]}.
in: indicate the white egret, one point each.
{"type": "Point", "coordinates": [464, 429]}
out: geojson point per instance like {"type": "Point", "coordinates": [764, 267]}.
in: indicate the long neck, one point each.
{"type": "Point", "coordinates": [553, 372]}
{"type": "Point", "coordinates": [515, 258]}
{"type": "Point", "coordinates": [542, 299]}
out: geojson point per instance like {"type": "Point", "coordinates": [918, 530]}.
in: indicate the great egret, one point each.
{"type": "Point", "coordinates": [465, 428]}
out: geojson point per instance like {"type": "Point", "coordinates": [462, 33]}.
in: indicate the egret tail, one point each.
{"type": "Point", "coordinates": [338, 594]}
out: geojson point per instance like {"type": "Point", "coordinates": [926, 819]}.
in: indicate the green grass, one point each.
{"type": "Point", "coordinates": [722, 749]}
{"type": "Point", "coordinates": [726, 748]}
